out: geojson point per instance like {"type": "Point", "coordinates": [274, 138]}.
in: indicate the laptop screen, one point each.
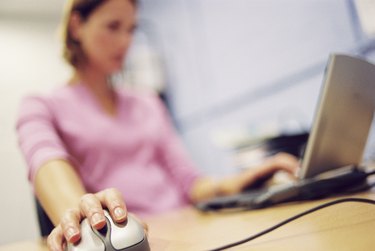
{"type": "Point", "coordinates": [343, 117]}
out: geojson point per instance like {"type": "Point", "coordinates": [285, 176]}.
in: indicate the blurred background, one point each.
{"type": "Point", "coordinates": [230, 72]}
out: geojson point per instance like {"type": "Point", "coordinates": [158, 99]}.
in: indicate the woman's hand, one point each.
{"type": "Point", "coordinates": [206, 188]}
{"type": "Point", "coordinates": [90, 207]}
{"type": "Point", "coordinates": [279, 162]}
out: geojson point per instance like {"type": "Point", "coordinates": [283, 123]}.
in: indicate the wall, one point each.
{"type": "Point", "coordinates": [243, 68]}
{"type": "Point", "coordinates": [29, 62]}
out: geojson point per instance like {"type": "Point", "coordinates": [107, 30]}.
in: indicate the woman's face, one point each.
{"type": "Point", "coordinates": [106, 35]}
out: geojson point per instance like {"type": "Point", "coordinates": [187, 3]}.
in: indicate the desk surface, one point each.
{"type": "Point", "coordinates": [346, 226]}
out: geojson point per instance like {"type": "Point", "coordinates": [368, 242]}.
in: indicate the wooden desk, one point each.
{"type": "Point", "coordinates": [347, 226]}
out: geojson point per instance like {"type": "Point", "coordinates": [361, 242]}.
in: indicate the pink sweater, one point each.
{"type": "Point", "coordinates": [136, 151]}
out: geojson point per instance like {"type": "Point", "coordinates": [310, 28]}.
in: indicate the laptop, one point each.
{"type": "Point", "coordinates": [334, 150]}
{"type": "Point", "coordinates": [343, 117]}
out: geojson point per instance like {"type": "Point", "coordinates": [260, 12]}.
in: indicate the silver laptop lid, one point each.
{"type": "Point", "coordinates": [343, 117]}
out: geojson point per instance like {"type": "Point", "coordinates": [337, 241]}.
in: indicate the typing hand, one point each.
{"type": "Point", "coordinates": [280, 162]}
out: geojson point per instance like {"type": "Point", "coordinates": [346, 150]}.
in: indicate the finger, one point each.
{"type": "Point", "coordinates": [284, 161]}
{"type": "Point", "coordinates": [55, 240]}
{"type": "Point", "coordinates": [265, 171]}
{"type": "Point", "coordinates": [70, 225]}
{"type": "Point", "coordinates": [114, 201]}
{"type": "Point", "coordinates": [92, 209]}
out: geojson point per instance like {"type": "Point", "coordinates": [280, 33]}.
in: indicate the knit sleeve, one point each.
{"type": "Point", "coordinates": [174, 154]}
{"type": "Point", "coordinates": [37, 134]}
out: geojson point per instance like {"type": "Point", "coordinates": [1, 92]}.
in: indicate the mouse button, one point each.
{"type": "Point", "coordinates": [126, 235]}
{"type": "Point", "coordinates": [89, 240]}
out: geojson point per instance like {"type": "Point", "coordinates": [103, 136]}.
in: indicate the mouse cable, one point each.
{"type": "Point", "coordinates": [284, 222]}
{"type": "Point", "coordinates": [370, 173]}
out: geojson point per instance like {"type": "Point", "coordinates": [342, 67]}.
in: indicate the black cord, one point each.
{"type": "Point", "coordinates": [370, 173]}
{"type": "Point", "coordinates": [266, 231]}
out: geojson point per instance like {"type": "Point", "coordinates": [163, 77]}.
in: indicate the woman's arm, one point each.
{"type": "Point", "coordinates": [199, 188]}
{"type": "Point", "coordinates": [58, 187]}
{"type": "Point", "coordinates": [207, 188]}
{"type": "Point", "coordinates": [56, 183]}
{"type": "Point", "coordinates": [61, 193]}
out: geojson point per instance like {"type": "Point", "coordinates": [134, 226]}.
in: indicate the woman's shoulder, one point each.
{"type": "Point", "coordinates": [35, 100]}
{"type": "Point", "coordinates": [58, 92]}
{"type": "Point", "coordinates": [45, 100]}
{"type": "Point", "coordinates": [32, 105]}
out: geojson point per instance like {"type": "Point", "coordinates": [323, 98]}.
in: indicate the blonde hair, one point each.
{"type": "Point", "coordinates": [72, 50]}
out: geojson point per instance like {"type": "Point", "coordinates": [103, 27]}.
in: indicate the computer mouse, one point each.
{"type": "Point", "coordinates": [127, 236]}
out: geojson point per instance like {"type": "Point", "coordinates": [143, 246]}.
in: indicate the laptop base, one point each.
{"type": "Point", "coordinates": [350, 180]}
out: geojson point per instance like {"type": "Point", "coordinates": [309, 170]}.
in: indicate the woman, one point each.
{"type": "Point", "coordinates": [88, 145]}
